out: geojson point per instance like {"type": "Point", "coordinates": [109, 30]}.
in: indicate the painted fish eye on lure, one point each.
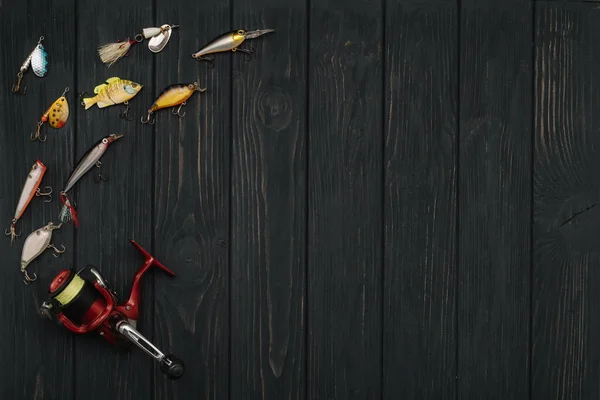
{"type": "Point", "coordinates": [158, 38]}
{"type": "Point", "coordinates": [229, 41]}
{"type": "Point", "coordinates": [57, 115]}
{"type": "Point", "coordinates": [38, 60]}
{"type": "Point", "coordinates": [172, 96]}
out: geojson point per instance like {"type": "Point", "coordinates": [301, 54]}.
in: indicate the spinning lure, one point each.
{"type": "Point", "coordinates": [113, 91]}
{"type": "Point", "coordinates": [174, 95]}
{"type": "Point", "coordinates": [30, 189]}
{"type": "Point", "coordinates": [56, 116]}
{"type": "Point", "coordinates": [38, 60]}
{"type": "Point", "coordinates": [159, 37]}
{"type": "Point", "coordinates": [90, 159]}
{"type": "Point", "coordinates": [35, 244]}
{"type": "Point", "coordinates": [229, 42]}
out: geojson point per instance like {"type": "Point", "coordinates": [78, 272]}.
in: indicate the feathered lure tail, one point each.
{"type": "Point", "coordinates": [68, 212]}
{"type": "Point", "coordinates": [12, 232]}
{"type": "Point", "coordinates": [112, 52]}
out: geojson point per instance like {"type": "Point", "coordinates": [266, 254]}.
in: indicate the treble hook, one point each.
{"type": "Point", "coordinates": [39, 193]}
{"type": "Point", "coordinates": [80, 96]}
{"type": "Point", "coordinates": [28, 279]}
{"type": "Point", "coordinates": [11, 231]}
{"type": "Point", "coordinates": [178, 112]}
{"type": "Point", "coordinates": [37, 135]}
{"type": "Point", "coordinates": [16, 88]}
{"type": "Point", "coordinates": [247, 53]}
{"type": "Point", "coordinates": [100, 177]}
{"type": "Point", "coordinates": [57, 252]}
{"type": "Point", "coordinates": [208, 58]}
{"type": "Point", "coordinates": [125, 114]}
{"type": "Point", "coordinates": [148, 120]}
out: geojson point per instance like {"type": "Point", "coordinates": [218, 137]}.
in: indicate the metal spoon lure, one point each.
{"type": "Point", "coordinates": [38, 60]}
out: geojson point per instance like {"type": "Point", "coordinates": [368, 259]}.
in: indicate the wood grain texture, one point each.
{"type": "Point", "coordinates": [37, 355]}
{"type": "Point", "coordinates": [566, 347]}
{"type": "Point", "coordinates": [344, 200]}
{"type": "Point", "coordinates": [419, 331]}
{"type": "Point", "coordinates": [268, 192]}
{"type": "Point", "coordinates": [494, 199]}
{"type": "Point", "coordinates": [192, 205]}
{"type": "Point", "coordinates": [112, 212]}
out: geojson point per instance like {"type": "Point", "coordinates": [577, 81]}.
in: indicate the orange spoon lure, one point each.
{"type": "Point", "coordinates": [56, 115]}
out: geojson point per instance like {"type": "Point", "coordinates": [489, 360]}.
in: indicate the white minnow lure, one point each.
{"type": "Point", "coordinates": [90, 159]}
{"type": "Point", "coordinates": [159, 37]}
{"type": "Point", "coordinates": [35, 244]}
{"type": "Point", "coordinates": [30, 189]}
{"type": "Point", "coordinates": [38, 60]}
{"type": "Point", "coordinates": [229, 41]}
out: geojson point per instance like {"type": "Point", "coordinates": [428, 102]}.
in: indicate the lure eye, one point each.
{"type": "Point", "coordinates": [134, 85]}
{"type": "Point", "coordinates": [105, 140]}
{"type": "Point", "coordinates": [241, 32]}
{"type": "Point", "coordinates": [191, 86]}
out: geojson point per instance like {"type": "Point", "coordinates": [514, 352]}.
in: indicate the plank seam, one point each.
{"type": "Point", "coordinates": [457, 198]}
{"type": "Point", "coordinates": [153, 369]}
{"type": "Point", "coordinates": [230, 213]}
{"type": "Point", "coordinates": [383, 197]}
{"type": "Point", "coordinates": [307, 204]}
{"type": "Point", "coordinates": [74, 155]}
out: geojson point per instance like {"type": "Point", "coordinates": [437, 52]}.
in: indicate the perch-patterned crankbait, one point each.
{"type": "Point", "coordinates": [114, 91]}
{"type": "Point", "coordinates": [174, 95]}
{"type": "Point", "coordinates": [56, 116]}
{"type": "Point", "coordinates": [229, 42]}
{"type": "Point", "coordinates": [159, 37]}
{"type": "Point", "coordinates": [35, 244]}
{"type": "Point", "coordinates": [30, 189]}
{"type": "Point", "coordinates": [90, 159]}
{"type": "Point", "coordinates": [38, 60]}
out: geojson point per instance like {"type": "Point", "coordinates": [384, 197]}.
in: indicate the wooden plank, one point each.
{"type": "Point", "coordinates": [566, 351]}
{"type": "Point", "coordinates": [112, 212]}
{"type": "Point", "coordinates": [494, 199]}
{"type": "Point", "coordinates": [345, 200]}
{"type": "Point", "coordinates": [419, 320]}
{"type": "Point", "coordinates": [192, 205]}
{"type": "Point", "coordinates": [268, 216]}
{"type": "Point", "coordinates": [37, 353]}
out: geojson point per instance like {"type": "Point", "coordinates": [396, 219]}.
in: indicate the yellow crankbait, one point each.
{"type": "Point", "coordinates": [56, 116]}
{"type": "Point", "coordinates": [174, 95]}
{"type": "Point", "coordinates": [114, 91]}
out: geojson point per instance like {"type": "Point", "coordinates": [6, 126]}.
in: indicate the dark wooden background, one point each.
{"type": "Point", "coordinates": [396, 199]}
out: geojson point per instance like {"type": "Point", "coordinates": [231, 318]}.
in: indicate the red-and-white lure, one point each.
{"type": "Point", "coordinates": [30, 189]}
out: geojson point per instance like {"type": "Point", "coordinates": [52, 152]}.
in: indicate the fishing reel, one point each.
{"type": "Point", "coordinates": [83, 303]}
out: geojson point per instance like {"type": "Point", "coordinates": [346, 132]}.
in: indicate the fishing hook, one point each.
{"type": "Point", "coordinates": [39, 193]}
{"type": "Point", "coordinates": [37, 135]}
{"type": "Point", "coordinates": [28, 279]}
{"type": "Point", "coordinates": [125, 114]}
{"type": "Point", "coordinates": [208, 58]}
{"type": "Point", "coordinates": [148, 121]}
{"type": "Point", "coordinates": [247, 53]}
{"type": "Point", "coordinates": [80, 96]}
{"type": "Point", "coordinates": [100, 177]}
{"type": "Point", "coordinates": [178, 112]}
{"type": "Point", "coordinates": [57, 252]}
{"type": "Point", "coordinates": [11, 231]}
{"type": "Point", "coordinates": [15, 88]}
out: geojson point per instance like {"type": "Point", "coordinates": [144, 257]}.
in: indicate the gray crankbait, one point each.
{"type": "Point", "coordinates": [90, 159]}
{"type": "Point", "coordinates": [229, 42]}
{"type": "Point", "coordinates": [159, 37]}
{"type": "Point", "coordinates": [38, 60]}
{"type": "Point", "coordinates": [35, 244]}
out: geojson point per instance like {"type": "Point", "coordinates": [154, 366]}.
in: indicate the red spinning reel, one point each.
{"type": "Point", "coordinates": [83, 303]}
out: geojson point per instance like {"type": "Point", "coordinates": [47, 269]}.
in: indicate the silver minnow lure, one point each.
{"type": "Point", "coordinates": [90, 159]}
{"type": "Point", "coordinates": [38, 60]}
{"type": "Point", "coordinates": [35, 244]}
{"type": "Point", "coordinates": [229, 42]}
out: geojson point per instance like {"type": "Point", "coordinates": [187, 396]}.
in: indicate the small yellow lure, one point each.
{"type": "Point", "coordinates": [56, 116]}
{"type": "Point", "coordinates": [174, 95]}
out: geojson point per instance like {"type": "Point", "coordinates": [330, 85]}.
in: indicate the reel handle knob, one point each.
{"type": "Point", "coordinates": [172, 367]}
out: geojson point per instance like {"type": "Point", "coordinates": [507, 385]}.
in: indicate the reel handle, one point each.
{"type": "Point", "coordinates": [95, 324]}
